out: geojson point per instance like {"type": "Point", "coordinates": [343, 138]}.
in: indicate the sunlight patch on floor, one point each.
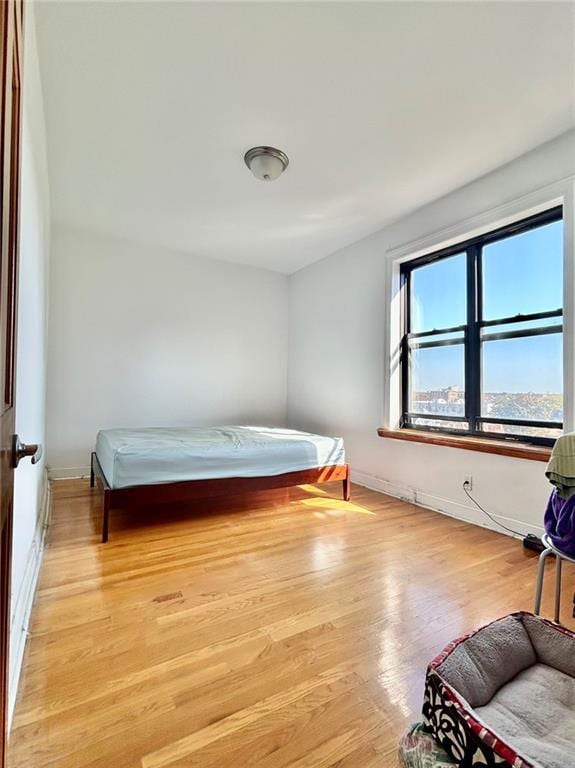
{"type": "Point", "coordinates": [335, 506]}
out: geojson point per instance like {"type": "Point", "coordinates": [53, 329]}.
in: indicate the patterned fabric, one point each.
{"type": "Point", "coordinates": [463, 738]}
{"type": "Point", "coordinates": [454, 725]}
{"type": "Point", "coordinates": [418, 749]}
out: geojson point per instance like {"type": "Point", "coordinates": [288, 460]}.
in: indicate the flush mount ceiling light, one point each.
{"type": "Point", "coordinates": [266, 163]}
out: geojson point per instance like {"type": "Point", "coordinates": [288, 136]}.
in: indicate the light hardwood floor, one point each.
{"type": "Point", "coordinates": [284, 629]}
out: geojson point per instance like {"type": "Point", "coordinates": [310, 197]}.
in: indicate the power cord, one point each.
{"type": "Point", "coordinates": [485, 512]}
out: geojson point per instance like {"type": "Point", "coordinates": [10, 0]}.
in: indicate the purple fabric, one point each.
{"type": "Point", "coordinates": [560, 523]}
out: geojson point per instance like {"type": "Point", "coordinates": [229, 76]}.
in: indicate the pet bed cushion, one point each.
{"type": "Point", "coordinates": [505, 695]}
{"type": "Point", "coordinates": [544, 732]}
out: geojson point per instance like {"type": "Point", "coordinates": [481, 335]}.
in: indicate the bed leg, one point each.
{"type": "Point", "coordinates": [92, 476]}
{"type": "Point", "coordinates": [347, 485]}
{"type": "Point", "coordinates": [106, 518]}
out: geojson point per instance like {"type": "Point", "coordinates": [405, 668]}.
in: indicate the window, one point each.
{"type": "Point", "coordinates": [482, 339]}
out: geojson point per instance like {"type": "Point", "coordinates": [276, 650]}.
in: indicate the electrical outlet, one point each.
{"type": "Point", "coordinates": [468, 482]}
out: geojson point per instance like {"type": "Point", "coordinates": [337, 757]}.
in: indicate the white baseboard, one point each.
{"type": "Point", "coordinates": [24, 600]}
{"type": "Point", "coordinates": [448, 507]}
{"type": "Point", "coordinates": [67, 473]}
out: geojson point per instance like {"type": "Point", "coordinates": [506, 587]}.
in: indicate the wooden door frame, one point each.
{"type": "Point", "coordinates": [11, 71]}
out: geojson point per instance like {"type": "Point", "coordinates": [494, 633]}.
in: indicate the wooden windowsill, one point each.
{"type": "Point", "coordinates": [484, 445]}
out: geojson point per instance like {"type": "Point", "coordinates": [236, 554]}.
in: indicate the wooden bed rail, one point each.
{"type": "Point", "coordinates": [194, 490]}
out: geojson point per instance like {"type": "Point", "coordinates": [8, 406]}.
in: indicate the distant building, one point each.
{"type": "Point", "coordinates": [521, 406]}
{"type": "Point", "coordinates": [448, 395]}
{"type": "Point", "coordinates": [449, 400]}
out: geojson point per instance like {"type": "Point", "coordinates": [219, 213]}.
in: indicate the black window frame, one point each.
{"type": "Point", "coordinates": [472, 340]}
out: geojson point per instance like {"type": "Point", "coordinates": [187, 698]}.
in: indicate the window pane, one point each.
{"type": "Point", "coordinates": [438, 337]}
{"type": "Point", "coordinates": [461, 426]}
{"type": "Point", "coordinates": [521, 326]}
{"type": "Point", "coordinates": [523, 378]}
{"type": "Point", "coordinates": [524, 273]}
{"type": "Point", "coordinates": [437, 380]}
{"type": "Point", "coordinates": [509, 429]}
{"type": "Point", "coordinates": [438, 294]}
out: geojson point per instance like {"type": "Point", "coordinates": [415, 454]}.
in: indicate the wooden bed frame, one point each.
{"type": "Point", "coordinates": [193, 490]}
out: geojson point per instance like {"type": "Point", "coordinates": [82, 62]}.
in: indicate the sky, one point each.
{"type": "Point", "coordinates": [523, 273]}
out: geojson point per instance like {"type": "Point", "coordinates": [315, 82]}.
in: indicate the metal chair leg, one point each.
{"type": "Point", "coordinates": [558, 564]}
{"type": "Point", "coordinates": [540, 575]}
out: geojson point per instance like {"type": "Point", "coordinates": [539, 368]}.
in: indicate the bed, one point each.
{"type": "Point", "coordinates": [505, 695]}
{"type": "Point", "coordinates": [179, 464]}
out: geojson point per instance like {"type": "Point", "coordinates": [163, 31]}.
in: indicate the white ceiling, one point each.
{"type": "Point", "coordinates": [381, 108]}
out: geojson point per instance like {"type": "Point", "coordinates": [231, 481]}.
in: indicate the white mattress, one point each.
{"type": "Point", "coordinates": [166, 455]}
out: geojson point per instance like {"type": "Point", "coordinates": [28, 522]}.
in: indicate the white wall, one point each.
{"type": "Point", "coordinates": [339, 323]}
{"type": "Point", "coordinates": [31, 351]}
{"type": "Point", "coordinates": [144, 337]}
